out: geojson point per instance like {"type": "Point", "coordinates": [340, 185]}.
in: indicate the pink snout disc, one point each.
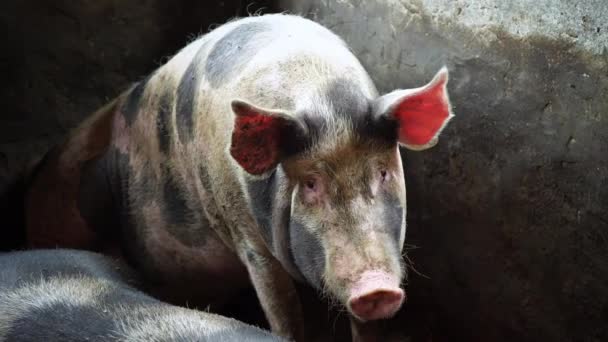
{"type": "Point", "coordinates": [375, 296]}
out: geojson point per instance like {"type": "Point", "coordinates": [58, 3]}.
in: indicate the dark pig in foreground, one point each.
{"type": "Point", "coordinates": [69, 295]}
{"type": "Point", "coordinates": [263, 146]}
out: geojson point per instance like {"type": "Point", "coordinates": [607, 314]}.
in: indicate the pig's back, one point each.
{"type": "Point", "coordinates": [70, 295]}
{"type": "Point", "coordinates": [280, 61]}
{"type": "Point", "coordinates": [275, 61]}
{"type": "Point", "coordinates": [23, 267]}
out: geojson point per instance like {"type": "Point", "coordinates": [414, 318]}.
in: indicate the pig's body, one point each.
{"type": "Point", "coordinates": [69, 295]}
{"type": "Point", "coordinates": [201, 183]}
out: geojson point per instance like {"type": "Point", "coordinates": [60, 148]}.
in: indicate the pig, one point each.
{"type": "Point", "coordinates": [72, 295]}
{"type": "Point", "coordinates": [261, 151]}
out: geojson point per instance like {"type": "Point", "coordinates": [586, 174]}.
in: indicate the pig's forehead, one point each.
{"type": "Point", "coordinates": [339, 111]}
{"type": "Point", "coordinates": [352, 157]}
{"type": "Point", "coordinates": [345, 137]}
{"type": "Point", "coordinates": [333, 99]}
{"type": "Point", "coordinates": [327, 137]}
{"type": "Point", "coordinates": [345, 98]}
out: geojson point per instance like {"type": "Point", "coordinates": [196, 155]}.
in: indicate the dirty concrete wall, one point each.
{"type": "Point", "coordinates": [508, 214]}
{"type": "Point", "coordinates": [61, 60]}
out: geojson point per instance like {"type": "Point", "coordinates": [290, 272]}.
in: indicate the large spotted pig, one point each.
{"type": "Point", "coordinates": [263, 143]}
{"type": "Point", "coordinates": [69, 295]}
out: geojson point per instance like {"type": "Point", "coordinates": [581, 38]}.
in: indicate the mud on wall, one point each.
{"type": "Point", "coordinates": [508, 214]}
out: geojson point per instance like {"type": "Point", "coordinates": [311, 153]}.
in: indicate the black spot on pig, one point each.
{"type": "Point", "coordinates": [294, 138]}
{"type": "Point", "coordinates": [316, 127]}
{"type": "Point", "coordinates": [186, 96]}
{"type": "Point", "coordinates": [163, 122]}
{"type": "Point", "coordinates": [308, 253]}
{"type": "Point", "coordinates": [132, 103]}
{"type": "Point", "coordinates": [146, 183]}
{"type": "Point", "coordinates": [262, 193]}
{"type": "Point", "coordinates": [393, 218]}
{"type": "Point", "coordinates": [188, 226]}
{"type": "Point", "coordinates": [175, 202]}
{"type": "Point", "coordinates": [193, 234]}
{"type": "Point", "coordinates": [347, 99]}
{"type": "Point", "coordinates": [205, 178]}
{"type": "Point", "coordinates": [233, 51]}
{"type": "Point", "coordinates": [348, 102]}
{"type": "Point", "coordinates": [382, 129]}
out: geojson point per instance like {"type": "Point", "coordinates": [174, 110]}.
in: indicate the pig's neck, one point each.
{"type": "Point", "coordinates": [270, 202]}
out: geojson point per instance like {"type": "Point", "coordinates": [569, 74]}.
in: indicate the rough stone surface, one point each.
{"type": "Point", "coordinates": [580, 22]}
{"type": "Point", "coordinates": [508, 214]}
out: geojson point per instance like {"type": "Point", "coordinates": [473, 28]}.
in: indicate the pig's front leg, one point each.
{"type": "Point", "coordinates": [277, 294]}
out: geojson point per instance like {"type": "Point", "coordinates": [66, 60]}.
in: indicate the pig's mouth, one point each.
{"type": "Point", "coordinates": [376, 295]}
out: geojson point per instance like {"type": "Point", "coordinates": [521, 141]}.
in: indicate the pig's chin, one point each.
{"type": "Point", "coordinates": [376, 295]}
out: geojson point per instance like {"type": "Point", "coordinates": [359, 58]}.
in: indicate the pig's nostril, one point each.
{"type": "Point", "coordinates": [377, 304]}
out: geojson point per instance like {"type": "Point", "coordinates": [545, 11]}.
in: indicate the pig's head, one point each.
{"type": "Point", "coordinates": [327, 187]}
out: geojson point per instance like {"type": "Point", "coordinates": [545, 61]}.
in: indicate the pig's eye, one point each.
{"type": "Point", "coordinates": [383, 176]}
{"type": "Point", "coordinates": [313, 189]}
{"type": "Point", "coordinates": [311, 185]}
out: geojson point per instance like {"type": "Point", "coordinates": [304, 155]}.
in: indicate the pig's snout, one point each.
{"type": "Point", "coordinates": [375, 296]}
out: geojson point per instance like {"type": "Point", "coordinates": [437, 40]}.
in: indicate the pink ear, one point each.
{"type": "Point", "coordinates": [423, 112]}
{"type": "Point", "coordinates": [258, 137]}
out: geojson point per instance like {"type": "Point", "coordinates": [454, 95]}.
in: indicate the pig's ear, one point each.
{"type": "Point", "coordinates": [262, 138]}
{"type": "Point", "coordinates": [421, 113]}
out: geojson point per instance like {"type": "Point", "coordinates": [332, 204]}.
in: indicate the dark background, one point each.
{"type": "Point", "coordinates": [507, 223]}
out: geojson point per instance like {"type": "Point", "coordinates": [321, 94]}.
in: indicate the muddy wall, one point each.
{"type": "Point", "coordinates": [508, 214]}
